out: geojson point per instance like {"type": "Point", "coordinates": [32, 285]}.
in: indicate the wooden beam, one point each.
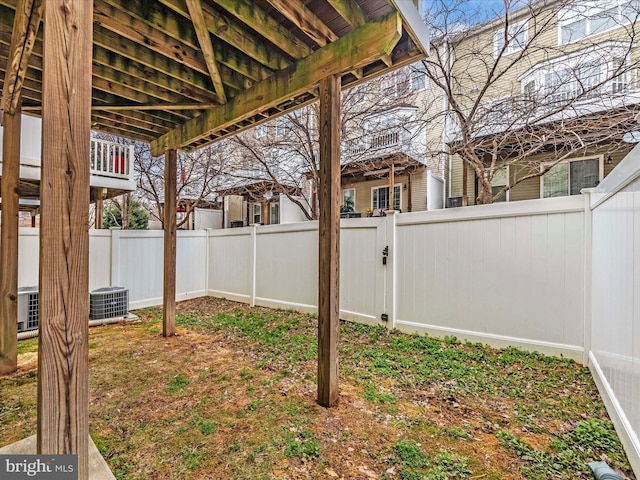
{"type": "Point", "coordinates": [113, 36]}
{"type": "Point", "coordinates": [63, 350]}
{"type": "Point", "coordinates": [99, 213]}
{"type": "Point", "coordinates": [248, 13]}
{"type": "Point", "coordinates": [169, 292]}
{"type": "Point", "coordinates": [354, 50]}
{"type": "Point", "coordinates": [197, 17]}
{"type": "Point", "coordinates": [230, 31]}
{"type": "Point", "coordinates": [162, 107]}
{"type": "Point", "coordinates": [329, 242]}
{"type": "Point", "coordinates": [25, 28]}
{"type": "Point", "coordinates": [350, 11]}
{"type": "Point", "coordinates": [9, 242]}
{"type": "Point", "coordinates": [305, 20]}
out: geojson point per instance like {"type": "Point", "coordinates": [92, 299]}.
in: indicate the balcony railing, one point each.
{"type": "Point", "coordinates": [383, 142]}
{"type": "Point", "coordinates": [111, 159]}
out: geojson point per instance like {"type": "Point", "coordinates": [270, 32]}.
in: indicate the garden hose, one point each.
{"type": "Point", "coordinates": [602, 471]}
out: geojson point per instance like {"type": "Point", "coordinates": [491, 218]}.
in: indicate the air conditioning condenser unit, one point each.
{"type": "Point", "coordinates": [108, 302]}
{"type": "Point", "coordinates": [27, 309]}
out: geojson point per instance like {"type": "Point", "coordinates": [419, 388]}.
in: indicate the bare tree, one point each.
{"type": "Point", "coordinates": [199, 174]}
{"type": "Point", "coordinates": [285, 151]}
{"type": "Point", "coordinates": [530, 79]}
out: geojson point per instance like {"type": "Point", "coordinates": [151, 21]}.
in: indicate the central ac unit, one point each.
{"type": "Point", "coordinates": [27, 309]}
{"type": "Point", "coordinates": [108, 302]}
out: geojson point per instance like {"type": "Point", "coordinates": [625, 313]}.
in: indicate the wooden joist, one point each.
{"type": "Point", "coordinates": [25, 29]}
{"type": "Point", "coordinates": [305, 20]}
{"type": "Point", "coordinates": [230, 32]}
{"type": "Point", "coordinates": [264, 25]}
{"type": "Point", "coordinates": [353, 50]}
{"type": "Point", "coordinates": [350, 11]}
{"type": "Point", "coordinates": [199, 23]}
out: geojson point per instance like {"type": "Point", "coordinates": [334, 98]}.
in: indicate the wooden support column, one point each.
{"type": "Point", "coordinates": [170, 186]}
{"type": "Point", "coordinates": [9, 243]}
{"type": "Point", "coordinates": [99, 213]}
{"type": "Point", "coordinates": [63, 381]}
{"type": "Point", "coordinates": [329, 242]}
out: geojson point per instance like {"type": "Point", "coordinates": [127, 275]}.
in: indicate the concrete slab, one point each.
{"type": "Point", "coordinates": [98, 469]}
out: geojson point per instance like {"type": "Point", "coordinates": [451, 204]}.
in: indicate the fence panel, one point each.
{"type": "Point", "coordinates": [362, 275]}
{"type": "Point", "coordinates": [615, 303]}
{"type": "Point", "coordinates": [508, 274]}
{"type": "Point", "coordinates": [287, 266]}
{"type": "Point", "coordinates": [99, 259]}
{"type": "Point", "coordinates": [230, 264]}
{"type": "Point", "coordinates": [28, 256]}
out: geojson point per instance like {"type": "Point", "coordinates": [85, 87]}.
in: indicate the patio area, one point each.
{"type": "Point", "coordinates": [233, 396]}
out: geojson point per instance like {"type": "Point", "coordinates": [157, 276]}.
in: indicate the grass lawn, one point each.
{"type": "Point", "coordinates": [233, 397]}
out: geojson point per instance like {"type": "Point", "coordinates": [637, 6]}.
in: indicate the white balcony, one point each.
{"type": "Point", "coordinates": [377, 144]}
{"type": "Point", "coordinates": [111, 164]}
{"type": "Point", "coordinates": [111, 159]}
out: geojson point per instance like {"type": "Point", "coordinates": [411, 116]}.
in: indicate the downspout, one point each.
{"type": "Point", "coordinates": [445, 146]}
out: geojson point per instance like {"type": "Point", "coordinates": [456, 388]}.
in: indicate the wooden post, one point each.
{"type": "Point", "coordinates": [329, 242]}
{"type": "Point", "coordinates": [99, 213]}
{"type": "Point", "coordinates": [9, 243]}
{"type": "Point", "coordinates": [63, 381]}
{"type": "Point", "coordinates": [170, 186]}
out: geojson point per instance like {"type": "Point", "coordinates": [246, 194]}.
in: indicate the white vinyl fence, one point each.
{"type": "Point", "coordinates": [132, 259]}
{"type": "Point", "coordinates": [614, 317]}
{"type": "Point", "coordinates": [561, 276]}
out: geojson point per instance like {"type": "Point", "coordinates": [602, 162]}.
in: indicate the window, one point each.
{"type": "Point", "coordinates": [517, 36]}
{"type": "Point", "coordinates": [564, 85]}
{"type": "Point", "coordinates": [585, 18]}
{"type": "Point", "coordinates": [498, 182]}
{"type": "Point", "coordinates": [283, 125]}
{"type": "Point", "coordinates": [349, 199]}
{"type": "Point", "coordinates": [418, 80]}
{"type": "Point", "coordinates": [257, 213]}
{"type": "Point", "coordinates": [380, 197]}
{"type": "Point", "coordinates": [261, 131]}
{"type": "Point", "coordinates": [529, 90]}
{"type": "Point", "coordinates": [591, 72]}
{"type": "Point", "coordinates": [395, 84]}
{"type": "Point", "coordinates": [571, 176]}
{"type": "Point", "coordinates": [275, 214]}
{"type": "Point", "coordinates": [620, 81]}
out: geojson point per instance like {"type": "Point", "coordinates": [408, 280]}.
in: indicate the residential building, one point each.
{"type": "Point", "coordinates": [544, 103]}
{"type": "Point", "coordinates": [261, 202]}
{"type": "Point", "coordinates": [383, 149]}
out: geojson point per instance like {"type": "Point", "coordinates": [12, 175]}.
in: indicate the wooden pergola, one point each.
{"type": "Point", "coordinates": [179, 74]}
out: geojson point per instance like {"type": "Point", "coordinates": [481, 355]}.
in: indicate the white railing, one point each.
{"type": "Point", "coordinates": [390, 140]}
{"type": "Point", "coordinates": [111, 159]}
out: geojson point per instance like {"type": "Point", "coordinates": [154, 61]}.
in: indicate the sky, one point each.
{"type": "Point", "coordinates": [469, 12]}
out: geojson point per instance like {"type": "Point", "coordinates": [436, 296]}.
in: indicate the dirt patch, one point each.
{"type": "Point", "coordinates": [232, 396]}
